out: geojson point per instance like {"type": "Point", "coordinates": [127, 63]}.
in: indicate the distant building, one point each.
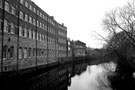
{"type": "Point", "coordinates": [79, 48]}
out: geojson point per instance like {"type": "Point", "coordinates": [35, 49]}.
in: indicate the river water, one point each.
{"type": "Point", "coordinates": [94, 78]}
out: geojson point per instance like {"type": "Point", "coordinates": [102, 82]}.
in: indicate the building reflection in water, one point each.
{"type": "Point", "coordinates": [56, 79]}
{"type": "Point", "coordinates": [68, 77]}
{"type": "Point", "coordinates": [94, 78]}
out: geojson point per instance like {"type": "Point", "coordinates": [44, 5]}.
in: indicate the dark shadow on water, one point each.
{"type": "Point", "coordinates": [123, 78]}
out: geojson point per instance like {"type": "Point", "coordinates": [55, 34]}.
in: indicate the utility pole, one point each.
{"type": "Point", "coordinates": [2, 28]}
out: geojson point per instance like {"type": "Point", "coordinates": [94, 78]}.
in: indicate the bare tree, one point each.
{"type": "Point", "coordinates": [122, 19]}
{"type": "Point", "coordinates": [120, 23]}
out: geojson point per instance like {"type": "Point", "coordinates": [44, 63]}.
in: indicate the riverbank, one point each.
{"type": "Point", "coordinates": [96, 61]}
{"type": "Point", "coordinates": [121, 79]}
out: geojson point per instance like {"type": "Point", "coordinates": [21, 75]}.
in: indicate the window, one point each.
{"type": "Point", "coordinates": [25, 32]}
{"type": "Point", "coordinates": [45, 38]}
{"type": "Point", "coordinates": [30, 34]}
{"type": "Point", "coordinates": [25, 52]}
{"type": "Point", "coordinates": [29, 52]}
{"type": "Point", "coordinates": [43, 26]}
{"type": "Point", "coordinates": [34, 10]}
{"type": "Point", "coordinates": [40, 14]}
{"type": "Point", "coordinates": [30, 19]}
{"type": "Point", "coordinates": [5, 51]}
{"type": "Point", "coordinates": [5, 25]}
{"type": "Point", "coordinates": [26, 4]}
{"type": "Point", "coordinates": [37, 12]}
{"type": "Point", "coordinates": [12, 28]}
{"type": "Point", "coordinates": [21, 1]}
{"type": "Point", "coordinates": [37, 23]}
{"type": "Point", "coordinates": [21, 14]}
{"type": "Point", "coordinates": [13, 10]}
{"type": "Point", "coordinates": [11, 52]}
{"type": "Point", "coordinates": [6, 6]}
{"type": "Point", "coordinates": [26, 17]}
{"type": "Point", "coordinates": [20, 31]}
{"type": "Point", "coordinates": [34, 21]}
{"type": "Point", "coordinates": [9, 27]}
{"type": "Point", "coordinates": [20, 53]}
{"type": "Point", "coordinates": [40, 25]}
{"type": "Point", "coordinates": [33, 35]}
{"type": "Point", "coordinates": [40, 37]}
{"type": "Point", "coordinates": [0, 3]}
{"type": "Point", "coordinates": [46, 18]}
{"type": "Point", "coordinates": [30, 7]}
{"type": "Point", "coordinates": [43, 16]}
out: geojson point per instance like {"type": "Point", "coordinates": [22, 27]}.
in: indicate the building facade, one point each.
{"type": "Point", "coordinates": [29, 37]}
{"type": "Point", "coordinates": [79, 48]}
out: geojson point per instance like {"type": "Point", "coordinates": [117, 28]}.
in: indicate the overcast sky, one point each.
{"type": "Point", "coordinates": [81, 17]}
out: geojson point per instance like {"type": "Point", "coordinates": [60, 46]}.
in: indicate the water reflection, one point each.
{"type": "Point", "coordinates": [68, 77]}
{"type": "Point", "coordinates": [94, 78]}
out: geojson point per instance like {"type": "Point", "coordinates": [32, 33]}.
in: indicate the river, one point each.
{"type": "Point", "coordinates": [94, 78]}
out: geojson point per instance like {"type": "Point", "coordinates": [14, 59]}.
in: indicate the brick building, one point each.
{"type": "Point", "coordinates": [29, 37]}
{"type": "Point", "coordinates": [79, 48]}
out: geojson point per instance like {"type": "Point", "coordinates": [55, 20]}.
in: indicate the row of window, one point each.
{"type": "Point", "coordinates": [9, 8]}
{"type": "Point", "coordinates": [62, 33]}
{"type": "Point", "coordinates": [61, 27]}
{"type": "Point", "coordinates": [11, 28]}
{"type": "Point", "coordinates": [9, 52]}
{"type": "Point", "coordinates": [33, 21]}
{"type": "Point", "coordinates": [62, 55]}
{"type": "Point", "coordinates": [62, 48]}
{"type": "Point", "coordinates": [33, 9]}
{"type": "Point", "coordinates": [62, 40]}
{"type": "Point", "coordinates": [12, 10]}
{"type": "Point", "coordinates": [24, 16]}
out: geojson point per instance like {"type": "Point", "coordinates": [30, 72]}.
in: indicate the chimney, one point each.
{"type": "Point", "coordinates": [62, 24]}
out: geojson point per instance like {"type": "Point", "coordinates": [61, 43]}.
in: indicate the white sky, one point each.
{"type": "Point", "coordinates": [81, 17]}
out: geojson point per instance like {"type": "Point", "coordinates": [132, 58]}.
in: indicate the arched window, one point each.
{"type": "Point", "coordinates": [25, 52]}
{"type": "Point", "coordinates": [29, 52]}
{"type": "Point", "coordinates": [5, 51]}
{"type": "Point", "coordinates": [12, 28]}
{"type": "Point", "coordinates": [34, 52]}
{"type": "Point", "coordinates": [5, 25]}
{"type": "Point", "coordinates": [20, 53]}
{"type": "Point", "coordinates": [11, 52]}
